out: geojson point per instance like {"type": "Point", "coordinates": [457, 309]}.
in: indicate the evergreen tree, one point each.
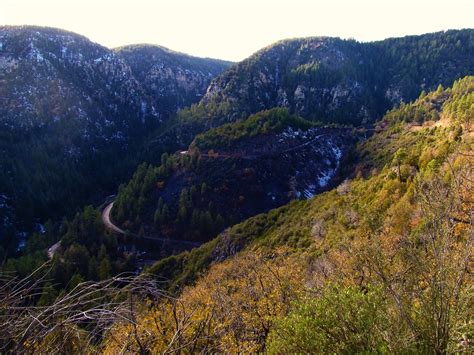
{"type": "Point", "coordinates": [105, 268]}
{"type": "Point", "coordinates": [48, 295]}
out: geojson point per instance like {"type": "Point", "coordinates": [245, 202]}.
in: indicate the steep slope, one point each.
{"type": "Point", "coordinates": [338, 80]}
{"type": "Point", "coordinates": [369, 266]}
{"type": "Point", "coordinates": [69, 108]}
{"type": "Point", "coordinates": [173, 80]}
{"type": "Point", "coordinates": [382, 263]}
{"type": "Point", "coordinates": [50, 75]}
{"type": "Point", "coordinates": [228, 174]}
{"type": "Point", "coordinates": [231, 173]}
{"type": "Point", "coordinates": [372, 264]}
{"type": "Point", "coordinates": [409, 139]}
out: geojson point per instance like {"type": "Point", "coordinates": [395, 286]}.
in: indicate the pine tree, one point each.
{"type": "Point", "coordinates": [165, 214]}
{"type": "Point", "coordinates": [195, 219]}
{"type": "Point", "coordinates": [203, 189]}
{"type": "Point", "coordinates": [48, 295]}
{"type": "Point", "coordinates": [157, 218]}
{"type": "Point", "coordinates": [104, 268]}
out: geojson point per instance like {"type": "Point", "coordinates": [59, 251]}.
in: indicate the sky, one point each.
{"type": "Point", "coordinates": [233, 29]}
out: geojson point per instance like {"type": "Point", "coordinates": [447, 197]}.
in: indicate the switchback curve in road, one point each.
{"type": "Point", "coordinates": [106, 219]}
{"type": "Point", "coordinates": [111, 226]}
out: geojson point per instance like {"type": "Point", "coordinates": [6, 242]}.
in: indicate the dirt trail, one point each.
{"type": "Point", "coordinates": [106, 219]}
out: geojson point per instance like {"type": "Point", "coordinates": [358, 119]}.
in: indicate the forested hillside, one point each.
{"type": "Point", "coordinates": [231, 173]}
{"type": "Point", "coordinates": [325, 80]}
{"type": "Point", "coordinates": [334, 80]}
{"type": "Point", "coordinates": [381, 263]}
{"type": "Point", "coordinates": [69, 108]}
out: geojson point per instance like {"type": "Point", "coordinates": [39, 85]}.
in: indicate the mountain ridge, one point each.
{"type": "Point", "coordinates": [243, 168]}
{"type": "Point", "coordinates": [174, 80]}
{"type": "Point", "coordinates": [322, 228]}
{"type": "Point", "coordinates": [78, 104]}
{"type": "Point", "coordinates": [333, 79]}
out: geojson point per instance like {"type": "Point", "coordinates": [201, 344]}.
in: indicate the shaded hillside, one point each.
{"type": "Point", "coordinates": [382, 263]}
{"type": "Point", "coordinates": [336, 80]}
{"type": "Point", "coordinates": [369, 266]}
{"type": "Point", "coordinates": [421, 145]}
{"type": "Point", "coordinates": [172, 80]}
{"type": "Point", "coordinates": [69, 108]}
{"type": "Point", "coordinates": [231, 173]}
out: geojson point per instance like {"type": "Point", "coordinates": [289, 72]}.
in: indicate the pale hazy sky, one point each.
{"type": "Point", "coordinates": [232, 29]}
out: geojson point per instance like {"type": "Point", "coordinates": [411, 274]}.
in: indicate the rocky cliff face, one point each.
{"type": "Point", "coordinates": [53, 77]}
{"type": "Point", "coordinates": [338, 80]}
{"type": "Point", "coordinates": [173, 80]}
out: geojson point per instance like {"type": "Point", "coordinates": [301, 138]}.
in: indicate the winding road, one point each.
{"type": "Point", "coordinates": [114, 228]}
{"type": "Point", "coordinates": [107, 222]}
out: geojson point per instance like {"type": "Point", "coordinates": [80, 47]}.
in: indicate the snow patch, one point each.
{"type": "Point", "coordinates": [40, 228]}
{"type": "Point", "coordinates": [143, 108]}
{"type": "Point", "coordinates": [35, 53]}
{"type": "Point", "coordinates": [324, 178]}
{"type": "Point", "coordinates": [337, 153]}
{"type": "Point", "coordinates": [309, 192]}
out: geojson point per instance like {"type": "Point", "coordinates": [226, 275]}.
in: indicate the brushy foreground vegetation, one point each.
{"type": "Point", "coordinates": [382, 263]}
{"type": "Point", "coordinates": [379, 264]}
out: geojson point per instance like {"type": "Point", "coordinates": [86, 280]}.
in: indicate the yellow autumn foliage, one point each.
{"type": "Point", "coordinates": [230, 309]}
